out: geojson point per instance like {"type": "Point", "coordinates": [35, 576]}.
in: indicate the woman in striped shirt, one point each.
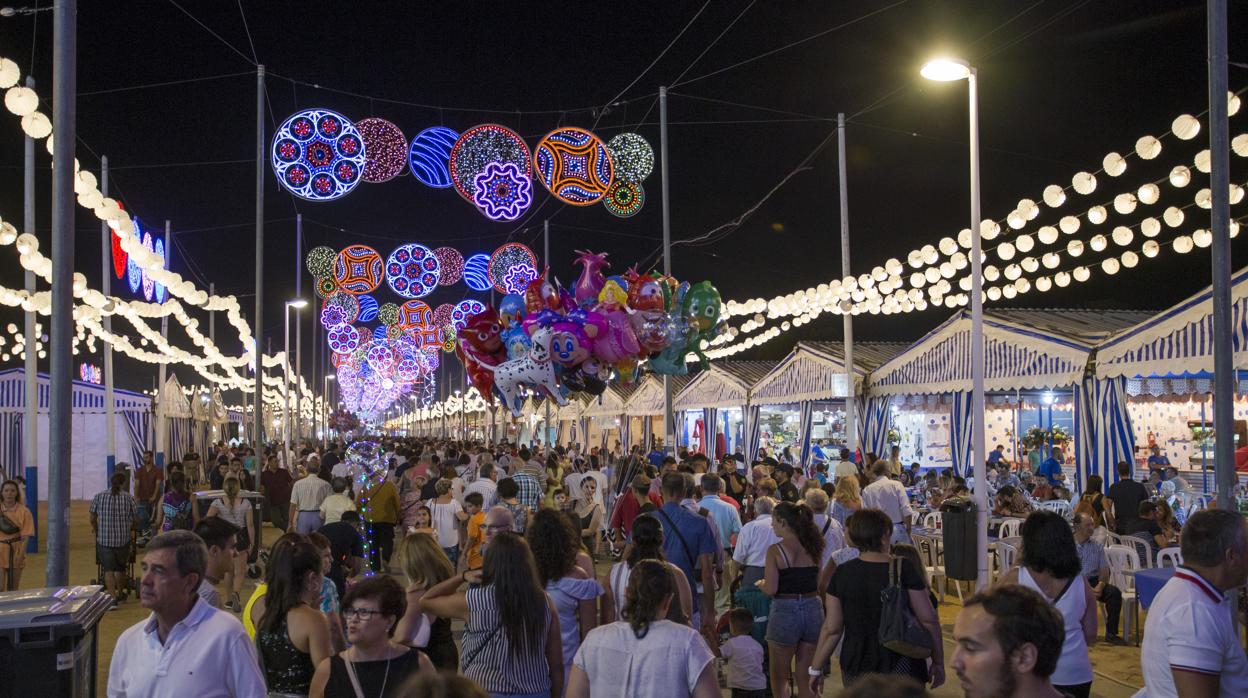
{"type": "Point", "coordinates": [511, 645]}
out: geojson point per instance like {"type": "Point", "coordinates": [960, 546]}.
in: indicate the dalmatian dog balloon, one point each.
{"type": "Point", "coordinates": [536, 370]}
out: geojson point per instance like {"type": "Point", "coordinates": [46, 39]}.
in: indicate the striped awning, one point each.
{"type": "Point", "coordinates": [1023, 350]}
{"type": "Point", "coordinates": [1177, 343]}
{"type": "Point", "coordinates": [610, 403]}
{"type": "Point", "coordinates": [87, 397]}
{"type": "Point", "coordinates": [816, 371]}
{"type": "Point", "coordinates": [724, 384]}
{"type": "Point", "coordinates": [649, 398]}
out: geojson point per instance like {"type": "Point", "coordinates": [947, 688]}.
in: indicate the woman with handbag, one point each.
{"type": "Point", "coordinates": [790, 578]}
{"type": "Point", "coordinates": [16, 525]}
{"type": "Point", "coordinates": [854, 606]}
{"type": "Point", "coordinates": [237, 510]}
{"type": "Point", "coordinates": [512, 643]}
{"type": "Point", "coordinates": [376, 665]}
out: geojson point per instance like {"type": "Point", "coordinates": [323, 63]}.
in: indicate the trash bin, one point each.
{"type": "Point", "coordinates": [49, 642]}
{"type": "Point", "coordinates": [205, 498]}
{"type": "Point", "coordinates": [958, 526]}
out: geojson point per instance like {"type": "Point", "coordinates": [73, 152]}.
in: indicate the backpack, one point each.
{"type": "Point", "coordinates": [181, 521]}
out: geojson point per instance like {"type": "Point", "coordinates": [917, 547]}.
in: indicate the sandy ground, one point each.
{"type": "Point", "coordinates": [1117, 668]}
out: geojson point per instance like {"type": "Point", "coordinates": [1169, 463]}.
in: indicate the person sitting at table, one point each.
{"type": "Point", "coordinates": [1094, 567]}
{"type": "Point", "coordinates": [1170, 515]}
{"type": "Point", "coordinates": [1010, 502]}
{"type": "Point", "coordinates": [1006, 476]}
{"type": "Point", "coordinates": [1171, 474]}
{"type": "Point", "coordinates": [1147, 528]}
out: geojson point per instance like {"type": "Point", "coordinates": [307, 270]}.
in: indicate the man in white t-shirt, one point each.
{"type": "Point", "coordinates": [750, 555]}
{"type": "Point", "coordinates": [889, 496]}
{"type": "Point", "coordinates": [846, 467]}
{"type": "Point", "coordinates": [1190, 647]}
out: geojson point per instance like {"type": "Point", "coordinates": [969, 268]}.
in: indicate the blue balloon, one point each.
{"type": "Point", "coordinates": [430, 156]}
{"type": "Point", "coordinates": [477, 272]}
{"type": "Point", "coordinates": [368, 308]}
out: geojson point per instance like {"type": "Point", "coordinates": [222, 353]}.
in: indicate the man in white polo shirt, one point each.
{"type": "Point", "coordinates": [750, 555]}
{"type": "Point", "coordinates": [889, 496]}
{"type": "Point", "coordinates": [186, 647]}
{"type": "Point", "coordinates": [1190, 647]}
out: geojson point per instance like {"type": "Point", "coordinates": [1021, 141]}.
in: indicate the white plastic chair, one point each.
{"type": "Point", "coordinates": [1143, 549]}
{"type": "Point", "coordinates": [1009, 528]}
{"type": "Point", "coordinates": [1006, 555]}
{"type": "Point", "coordinates": [1101, 535]}
{"type": "Point", "coordinates": [1170, 557]}
{"type": "Point", "coordinates": [1059, 506]}
{"type": "Point", "coordinates": [930, 551]}
{"type": "Point", "coordinates": [1121, 559]}
{"type": "Point", "coordinates": [931, 520]}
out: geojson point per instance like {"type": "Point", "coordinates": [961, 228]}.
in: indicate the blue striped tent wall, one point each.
{"type": "Point", "coordinates": [805, 427]}
{"type": "Point", "coordinates": [1104, 436]}
{"type": "Point", "coordinates": [960, 432]}
{"type": "Point", "coordinates": [753, 432]}
{"type": "Point", "coordinates": [950, 361]}
{"type": "Point", "coordinates": [12, 444]}
{"type": "Point", "coordinates": [874, 419]}
{"type": "Point", "coordinates": [1186, 349]}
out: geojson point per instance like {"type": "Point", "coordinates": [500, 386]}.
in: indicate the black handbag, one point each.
{"type": "Point", "coordinates": [7, 527]}
{"type": "Point", "coordinates": [900, 631]}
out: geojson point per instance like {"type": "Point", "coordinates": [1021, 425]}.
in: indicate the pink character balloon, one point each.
{"type": "Point", "coordinates": [590, 284]}
{"type": "Point", "coordinates": [618, 341]}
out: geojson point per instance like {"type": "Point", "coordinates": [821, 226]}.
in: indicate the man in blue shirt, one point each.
{"type": "Point", "coordinates": [1051, 469]}
{"type": "Point", "coordinates": [688, 544]}
{"type": "Point", "coordinates": [996, 455]}
{"type": "Point", "coordinates": [656, 455]}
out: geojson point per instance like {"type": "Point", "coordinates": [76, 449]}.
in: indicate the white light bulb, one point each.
{"type": "Point", "coordinates": [1183, 244]}
{"type": "Point", "coordinates": [1005, 251]}
{"type": "Point", "coordinates": [1051, 260]}
{"type": "Point", "coordinates": [1082, 274]}
{"type": "Point", "coordinates": [1202, 238]}
{"type": "Point", "coordinates": [1173, 216]}
{"type": "Point", "coordinates": [1074, 248]}
{"type": "Point", "coordinates": [1069, 224]}
{"type": "Point", "coordinates": [1151, 248]}
{"type": "Point", "coordinates": [1024, 243]}
{"type": "Point", "coordinates": [1180, 176]}
{"type": "Point", "coordinates": [1147, 147]}
{"type": "Point", "coordinates": [1202, 161]}
{"type": "Point", "coordinates": [1114, 164]}
{"type": "Point", "coordinates": [1185, 127]}
{"type": "Point", "coordinates": [1110, 265]}
{"type": "Point", "coordinates": [1047, 234]}
{"type": "Point", "coordinates": [1124, 203]}
{"type": "Point", "coordinates": [1083, 183]}
{"type": "Point", "coordinates": [1122, 236]}
{"type": "Point", "coordinates": [1062, 279]}
{"type": "Point", "coordinates": [1130, 259]}
{"type": "Point", "coordinates": [1148, 194]}
{"type": "Point", "coordinates": [1054, 196]}
{"type": "Point", "coordinates": [1097, 215]}
{"type": "Point", "coordinates": [1043, 284]}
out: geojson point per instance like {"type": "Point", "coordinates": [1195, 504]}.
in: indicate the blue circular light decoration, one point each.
{"type": "Point", "coordinates": [412, 271]}
{"type": "Point", "coordinates": [134, 275]}
{"type": "Point", "coordinates": [368, 308]}
{"type": "Point", "coordinates": [318, 155]}
{"type": "Point", "coordinates": [164, 264]}
{"type": "Point", "coordinates": [430, 156]}
{"type": "Point", "coordinates": [148, 284]}
{"type": "Point", "coordinates": [477, 272]}
{"type": "Point", "coordinates": [464, 310]}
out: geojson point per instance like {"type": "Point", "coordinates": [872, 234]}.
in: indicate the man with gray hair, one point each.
{"type": "Point", "coordinates": [185, 647]}
{"type": "Point", "coordinates": [1190, 646]}
{"type": "Point", "coordinates": [750, 555]}
{"type": "Point", "coordinates": [831, 530]}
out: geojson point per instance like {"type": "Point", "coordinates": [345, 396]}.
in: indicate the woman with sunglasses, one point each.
{"type": "Point", "coordinates": [376, 665]}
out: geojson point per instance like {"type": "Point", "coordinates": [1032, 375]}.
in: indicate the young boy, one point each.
{"type": "Point", "coordinates": [476, 519]}
{"type": "Point", "coordinates": [743, 656]}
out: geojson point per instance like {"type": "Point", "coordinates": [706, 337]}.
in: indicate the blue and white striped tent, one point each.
{"type": "Point", "coordinates": [88, 466]}
{"type": "Point", "coordinates": [604, 417]}
{"type": "Point", "coordinates": [1024, 349]}
{"type": "Point", "coordinates": [815, 372]}
{"type": "Point", "coordinates": [725, 385]}
{"type": "Point", "coordinates": [175, 427]}
{"type": "Point", "coordinates": [648, 403]}
{"type": "Point", "coordinates": [1170, 353]}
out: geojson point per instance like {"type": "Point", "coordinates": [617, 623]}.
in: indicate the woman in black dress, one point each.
{"type": "Point", "coordinates": [375, 666]}
{"type": "Point", "coordinates": [425, 565]}
{"type": "Point", "coordinates": [853, 609]}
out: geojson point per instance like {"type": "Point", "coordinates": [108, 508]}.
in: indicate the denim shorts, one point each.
{"type": "Point", "coordinates": [791, 621]}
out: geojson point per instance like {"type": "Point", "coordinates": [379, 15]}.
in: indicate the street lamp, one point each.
{"type": "Point", "coordinates": [286, 420]}
{"type": "Point", "coordinates": [325, 410]}
{"type": "Point", "coordinates": [950, 70]}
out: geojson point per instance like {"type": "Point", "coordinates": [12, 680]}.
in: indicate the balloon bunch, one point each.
{"type": "Point", "coordinates": [605, 329]}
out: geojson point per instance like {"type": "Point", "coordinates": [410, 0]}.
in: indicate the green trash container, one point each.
{"type": "Point", "coordinates": [49, 641]}
{"type": "Point", "coordinates": [958, 526]}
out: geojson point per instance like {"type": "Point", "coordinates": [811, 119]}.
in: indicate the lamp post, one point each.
{"type": "Point", "coordinates": [948, 70]}
{"type": "Point", "coordinates": [325, 411]}
{"type": "Point", "coordinates": [296, 304]}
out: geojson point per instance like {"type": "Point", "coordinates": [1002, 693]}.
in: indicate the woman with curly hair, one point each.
{"type": "Point", "coordinates": [791, 578]}
{"type": "Point", "coordinates": [555, 545]}
{"type": "Point", "coordinates": [644, 655]}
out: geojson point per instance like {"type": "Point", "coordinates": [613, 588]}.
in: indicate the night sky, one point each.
{"type": "Point", "coordinates": [1061, 84]}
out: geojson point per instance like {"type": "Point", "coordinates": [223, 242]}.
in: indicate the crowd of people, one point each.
{"type": "Point", "coordinates": [578, 573]}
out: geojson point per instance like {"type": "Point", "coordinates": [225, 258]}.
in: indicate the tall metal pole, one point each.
{"type": "Point", "coordinates": [30, 425]}
{"type": "Point", "coordinates": [847, 319]}
{"type": "Point", "coordinates": [1219, 184]}
{"type": "Point", "coordinates": [258, 416]}
{"type": "Point", "coordinates": [978, 440]}
{"type": "Point", "coordinates": [669, 423]}
{"type": "Point", "coordinates": [298, 328]}
{"type": "Point", "coordinates": [61, 334]}
{"type": "Point", "coordinates": [546, 260]}
{"type": "Point", "coordinates": [286, 420]}
{"type": "Point", "coordinates": [163, 369]}
{"type": "Point", "coordinates": [212, 316]}
{"type": "Point", "coordinates": [110, 411]}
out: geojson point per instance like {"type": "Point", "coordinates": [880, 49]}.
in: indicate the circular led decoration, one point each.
{"type": "Point", "coordinates": [518, 277]}
{"type": "Point", "coordinates": [159, 291]}
{"type": "Point", "coordinates": [452, 264]}
{"type": "Point", "coordinates": [412, 314]}
{"type": "Point", "coordinates": [366, 335]}
{"type": "Point", "coordinates": [358, 269]}
{"type": "Point", "coordinates": [368, 308]}
{"type": "Point", "coordinates": [320, 261]}
{"type": "Point", "coordinates": [339, 360]}
{"type": "Point", "coordinates": [432, 359]}
{"type": "Point", "coordinates": [134, 275]}
{"type": "Point", "coordinates": [448, 340]}
{"type": "Point", "coordinates": [442, 314]}
{"type": "Point", "coordinates": [148, 284]}
{"type": "Point", "coordinates": [325, 285]}
{"type": "Point", "coordinates": [343, 339]}
{"type": "Point", "coordinates": [478, 147]}
{"type": "Point", "coordinates": [464, 310]}
{"type": "Point", "coordinates": [477, 272]}
{"type": "Point", "coordinates": [318, 155]}
{"type": "Point", "coordinates": [394, 332]}
{"type": "Point", "coordinates": [119, 255]}
{"type": "Point", "coordinates": [504, 259]}
{"type": "Point", "coordinates": [412, 271]}
{"type": "Point", "coordinates": [624, 199]}
{"type": "Point", "coordinates": [574, 165]}
{"type": "Point", "coordinates": [385, 150]}
{"type": "Point", "coordinates": [350, 306]}
{"type": "Point", "coordinates": [632, 156]}
{"type": "Point", "coordinates": [503, 192]}
{"type": "Point", "coordinates": [388, 313]}
{"type": "Point", "coordinates": [333, 315]}
{"type": "Point", "coordinates": [430, 156]}
{"type": "Point", "coordinates": [380, 356]}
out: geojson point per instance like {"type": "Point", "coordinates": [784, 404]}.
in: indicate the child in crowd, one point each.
{"type": "Point", "coordinates": [475, 536]}
{"type": "Point", "coordinates": [743, 656]}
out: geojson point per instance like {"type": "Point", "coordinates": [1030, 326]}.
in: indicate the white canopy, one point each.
{"type": "Point", "coordinates": [816, 371]}
{"type": "Point", "coordinates": [724, 384]}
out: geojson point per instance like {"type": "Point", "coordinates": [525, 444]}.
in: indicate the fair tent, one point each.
{"type": "Point", "coordinates": [725, 385]}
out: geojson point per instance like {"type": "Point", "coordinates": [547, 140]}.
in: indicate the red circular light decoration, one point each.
{"type": "Point", "coordinates": [452, 263]}
{"type": "Point", "coordinates": [385, 150]}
